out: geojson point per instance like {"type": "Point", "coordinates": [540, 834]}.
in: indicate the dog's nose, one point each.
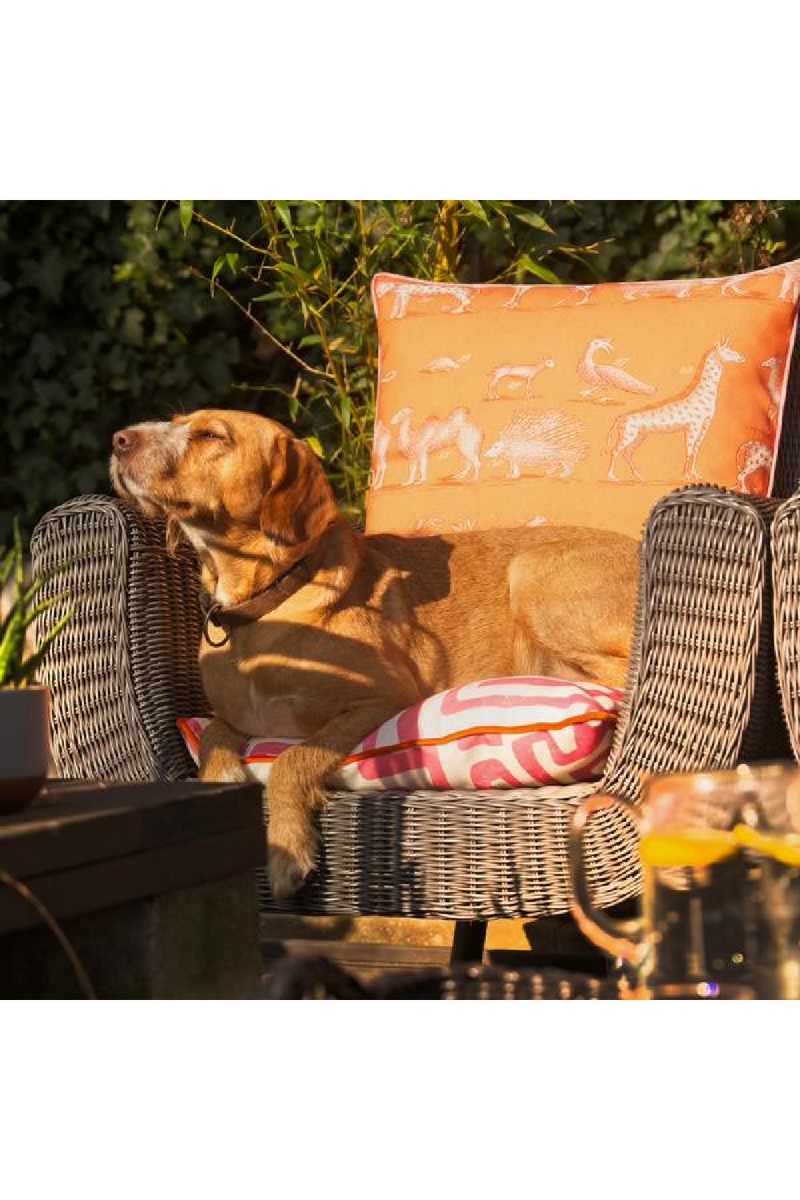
{"type": "Point", "coordinates": [124, 440]}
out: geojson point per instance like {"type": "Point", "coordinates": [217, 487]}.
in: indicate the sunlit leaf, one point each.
{"type": "Point", "coordinates": [538, 269]}
{"type": "Point", "coordinates": [186, 210]}
{"type": "Point", "coordinates": [282, 209]}
{"type": "Point", "coordinates": [534, 219]}
{"type": "Point", "coordinates": [476, 209]}
{"type": "Point", "coordinates": [315, 445]}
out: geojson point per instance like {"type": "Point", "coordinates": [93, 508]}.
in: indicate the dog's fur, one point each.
{"type": "Point", "coordinates": [383, 622]}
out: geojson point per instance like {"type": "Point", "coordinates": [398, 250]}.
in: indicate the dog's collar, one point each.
{"type": "Point", "coordinates": [258, 605]}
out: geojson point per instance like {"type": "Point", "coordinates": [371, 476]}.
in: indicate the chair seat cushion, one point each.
{"type": "Point", "coordinates": [496, 733]}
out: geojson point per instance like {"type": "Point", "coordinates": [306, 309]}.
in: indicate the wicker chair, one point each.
{"type": "Point", "coordinates": [786, 583]}
{"type": "Point", "coordinates": [701, 694]}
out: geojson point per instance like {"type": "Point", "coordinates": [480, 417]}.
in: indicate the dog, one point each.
{"type": "Point", "coordinates": [317, 631]}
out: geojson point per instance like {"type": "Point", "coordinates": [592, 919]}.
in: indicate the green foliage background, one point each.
{"type": "Point", "coordinates": [112, 312]}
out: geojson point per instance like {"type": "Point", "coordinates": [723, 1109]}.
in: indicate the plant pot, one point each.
{"type": "Point", "coordinates": [24, 745]}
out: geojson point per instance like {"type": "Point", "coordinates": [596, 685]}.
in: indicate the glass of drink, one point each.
{"type": "Point", "coordinates": [720, 855]}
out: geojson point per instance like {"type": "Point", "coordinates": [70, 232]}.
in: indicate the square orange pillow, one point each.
{"type": "Point", "coordinates": [503, 405]}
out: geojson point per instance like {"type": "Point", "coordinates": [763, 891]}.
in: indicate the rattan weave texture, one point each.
{"type": "Point", "coordinates": [786, 582]}
{"type": "Point", "coordinates": [126, 664]}
{"type": "Point", "coordinates": [129, 668]}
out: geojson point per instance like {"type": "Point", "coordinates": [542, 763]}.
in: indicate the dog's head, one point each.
{"type": "Point", "coordinates": [225, 474]}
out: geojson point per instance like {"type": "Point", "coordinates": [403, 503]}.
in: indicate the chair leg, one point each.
{"type": "Point", "coordinates": [469, 939]}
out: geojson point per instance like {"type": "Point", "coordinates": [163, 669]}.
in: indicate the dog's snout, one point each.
{"type": "Point", "coordinates": [124, 440]}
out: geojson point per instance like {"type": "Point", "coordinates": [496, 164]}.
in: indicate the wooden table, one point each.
{"type": "Point", "coordinates": [152, 883]}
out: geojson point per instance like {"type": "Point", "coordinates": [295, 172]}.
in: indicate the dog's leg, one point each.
{"type": "Point", "coordinates": [296, 791]}
{"type": "Point", "coordinates": [220, 761]}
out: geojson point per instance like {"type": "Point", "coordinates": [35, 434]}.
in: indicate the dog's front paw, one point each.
{"type": "Point", "coordinates": [290, 860]}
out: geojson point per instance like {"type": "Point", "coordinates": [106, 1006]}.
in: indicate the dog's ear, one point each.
{"type": "Point", "coordinates": [298, 503]}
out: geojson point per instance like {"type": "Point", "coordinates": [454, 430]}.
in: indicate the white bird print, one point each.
{"type": "Point", "coordinates": [444, 365]}
{"type": "Point", "coordinates": [604, 377]}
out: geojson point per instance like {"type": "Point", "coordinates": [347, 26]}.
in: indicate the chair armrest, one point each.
{"type": "Point", "coordinates": [701, 690]}
{"type": "Point", "coordinates": [126, 664]}
{"type": "Point", "coordinates": [786, 589]}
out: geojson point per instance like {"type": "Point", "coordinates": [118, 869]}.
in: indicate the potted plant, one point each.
{"type": "Point", "coordinates": [24, 706]}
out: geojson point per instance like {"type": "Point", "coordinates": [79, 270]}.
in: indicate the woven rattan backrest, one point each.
{"type": "Point", "coordinates": [701, 630]}
{"type": "Point", "coordinates": [126, 666]}
{"type": "Point", "coordinates": [787, 468]}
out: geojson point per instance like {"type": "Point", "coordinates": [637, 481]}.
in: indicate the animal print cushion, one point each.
{"type": "Point", "coordinates": [502, 405]}
{"type": "Point", "coordinates": [502, 733]}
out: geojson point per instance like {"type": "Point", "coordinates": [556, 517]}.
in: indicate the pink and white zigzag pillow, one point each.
{"type": "Point", "coordinates": [521, 731]}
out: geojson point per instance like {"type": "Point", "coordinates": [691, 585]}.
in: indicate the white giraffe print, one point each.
{"type": "Point", "coordinates": [774, 385]}
{"type": "Point", "coordinates": [438, 433]}
{"type": "Point", "coordinates": [751, 457]}
{"type": "Point", "coordinates": [380, 448]}
{"type": "Point", "coordinates": [690, 413]}
{"type": "Point", "coordinates": [404, 292]}
{"type": "Point", "coordinates": [516, 373]}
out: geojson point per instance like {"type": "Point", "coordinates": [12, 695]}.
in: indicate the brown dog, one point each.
{"type": "Point", "coordinates": [324, 633]}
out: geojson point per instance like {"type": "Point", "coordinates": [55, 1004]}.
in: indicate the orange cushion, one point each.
{"type": "Point", "coordinates": [500, 405]}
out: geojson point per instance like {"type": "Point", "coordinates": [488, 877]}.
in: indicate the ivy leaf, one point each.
{"type": "Point", "coordinates": [186, 210]}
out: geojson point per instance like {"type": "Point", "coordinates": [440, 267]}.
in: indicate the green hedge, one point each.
{"type": "Point", "coordinates": [100, 325]}
{"type": "Point", "coordinates": [107, 314]}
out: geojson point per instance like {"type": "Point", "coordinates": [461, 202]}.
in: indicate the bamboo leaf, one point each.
{"type": "Point", "coordinates": [535, 220]}
{"type": "Point", "coordinates": [186, 210]}
{"type": "Point", "coordinates": [219, 263]}
{"type": "Point", "coordinates": [476, 209]}
{"type": "Point", "coordinates": [282, 209]}
{"type": "Point", "coordinates": [536, 268]}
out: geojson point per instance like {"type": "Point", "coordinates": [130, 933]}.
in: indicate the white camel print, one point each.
{"type": "Point", "coordinates": [751, 457]}
{"type": "Point", "coordinates": [381, 436]}
{"type": "Point", "coordinates": [444, 365]}
{"type": "Point", "coordinates": [516, 373]}
{"type": "Point", "coordinates": [691, 412]}
{"type": "Point", "coordinates": [404, 292]}
{"type": "Point", "coordinates": [548, 442]}
{"type": "Point", "coordinates": [438, 433]}
{"type": "Point", "coordinates": [604, 377]}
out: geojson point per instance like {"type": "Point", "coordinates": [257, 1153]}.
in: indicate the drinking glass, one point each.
{"type": "Point", "coordinates": [720, 856]}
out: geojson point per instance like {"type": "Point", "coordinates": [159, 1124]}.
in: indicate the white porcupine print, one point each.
{"type": "Point", "coordinates": [548, 443]}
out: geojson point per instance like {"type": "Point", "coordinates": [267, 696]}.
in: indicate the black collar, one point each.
{"type": "Point", "coordinates": [257, 605]}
